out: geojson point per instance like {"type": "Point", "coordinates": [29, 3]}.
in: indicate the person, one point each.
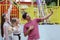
{"type": "Point", "coordinates": [7, 24]}
{"type": "Point", "coordinates": [31, 27]}
{"type": "Point", "coordinates": [16, 28]}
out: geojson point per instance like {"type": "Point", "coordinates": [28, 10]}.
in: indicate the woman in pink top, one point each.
{"type": "Point", "coordinates": [31, 27]}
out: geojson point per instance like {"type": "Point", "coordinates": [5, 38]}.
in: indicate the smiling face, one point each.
{"type": "Point", "coordinates": [28, 17]}
{"type": "Point", "coordinates": [17, 21]}
{"type": "Point", "coordinates": [6, 18]}
{"type": "Point", "coordinates": [13, 21]}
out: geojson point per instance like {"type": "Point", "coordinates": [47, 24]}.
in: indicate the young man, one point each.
{"type": "Point", "coordinates": [31, 27]}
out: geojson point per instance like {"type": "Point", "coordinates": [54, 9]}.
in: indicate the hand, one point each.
{"type": "Point", "coordinates": [9, 28]}
{"type": "Point", "coordinates": [51, 11]}
{"type": "Point", "coordinates": [11, 1]}
{"type": "Point", "coordinates": [31, 27]}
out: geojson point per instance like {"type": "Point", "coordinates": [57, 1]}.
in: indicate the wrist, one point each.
{"type": "Point", "coordinates": [29, 29]}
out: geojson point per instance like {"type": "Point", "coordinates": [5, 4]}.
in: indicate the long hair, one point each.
{"type": "Point", "coordinates": [2, 22]}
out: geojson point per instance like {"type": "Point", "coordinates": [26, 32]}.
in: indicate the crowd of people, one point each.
{"type": "Point", "coordinates": [11, 27]}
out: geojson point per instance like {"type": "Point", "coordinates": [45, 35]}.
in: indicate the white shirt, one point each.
{"type": "Point", "coordinates": [6, 26]}
{"type": "Point", "coordinates": [17, 30]}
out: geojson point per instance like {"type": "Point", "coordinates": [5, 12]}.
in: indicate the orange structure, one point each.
{"type": "Point", "coordinates": [15, 11]}
{"type": "Point", "coordinates": [4, 7]}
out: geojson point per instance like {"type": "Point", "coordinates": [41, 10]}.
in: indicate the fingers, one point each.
{"type": "Point", "coordinates": [31, 27]}
{"type": "Point", "coordinates": [51, 10]}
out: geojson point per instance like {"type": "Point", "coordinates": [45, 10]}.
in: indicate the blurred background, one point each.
{"type": "Point", "coordinates": [48, 32]}
{"type": "Point", "coordinates": [31, 7]}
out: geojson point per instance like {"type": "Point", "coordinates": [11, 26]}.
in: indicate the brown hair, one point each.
{"type": "Point", "coordinates": [2, 22]}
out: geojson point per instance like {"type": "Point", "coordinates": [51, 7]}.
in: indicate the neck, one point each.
{"type": "Point", "coordinates": [28, 20]}
{"type": "Point", "coordinates": [15, 25]}
{"type": "Point", "coordinates": [5, 20]}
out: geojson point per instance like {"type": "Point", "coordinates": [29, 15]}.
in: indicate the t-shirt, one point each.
{"type": "Point", "coordinates": [17, 30]}
{"type": "Point", "coordinates": [34, 34]}
{"type": "Point", "coordinates": [7, 33]}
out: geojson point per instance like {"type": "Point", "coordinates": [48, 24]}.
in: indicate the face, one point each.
{"type": "Point", "coordinates": [14, 23]}
{"type": "Point", "coordinates": [28, 17]}
{"type": "Point", "coordinates": [7, 18]}
{"type": "Point", "coordinates": [17, 21]}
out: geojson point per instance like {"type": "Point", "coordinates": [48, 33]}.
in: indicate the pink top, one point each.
{"type": "Point", "coordinates": [34, 34]}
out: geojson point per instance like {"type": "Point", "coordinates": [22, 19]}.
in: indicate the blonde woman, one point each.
{"type": "Point", "coordinates": [6, 24]}
{"type": "Point", "coordinates": [16, 28]}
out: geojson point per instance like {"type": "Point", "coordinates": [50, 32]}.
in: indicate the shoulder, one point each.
{"type": "Point", "coordinates": [25, 24]}
{"type": "Point", "coordinates": [5, 24]}
{"type": "Point", "coordinates": [35, 19]}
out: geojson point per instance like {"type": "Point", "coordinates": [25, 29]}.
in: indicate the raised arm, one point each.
{"type": "Point", "coordinates": [9, 10]}
{"type": "Point", "coordinates": [46, 17]}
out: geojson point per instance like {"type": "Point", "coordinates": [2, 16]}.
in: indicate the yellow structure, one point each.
{"type": "Point", "coordinates": [55, 18]}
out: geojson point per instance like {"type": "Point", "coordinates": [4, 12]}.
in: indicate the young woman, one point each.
{"type": "Point", "coordinates": [6, 23]}
{"type": "Point", "coordinates": [16, 28]}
